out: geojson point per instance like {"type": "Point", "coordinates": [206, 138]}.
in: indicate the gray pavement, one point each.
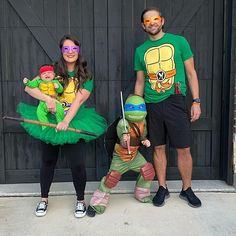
{"type": "Point", "coordinates": [124, 215]}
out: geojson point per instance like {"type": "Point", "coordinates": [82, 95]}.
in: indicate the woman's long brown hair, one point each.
{"type": "Point", "coordinates": [81, 71]}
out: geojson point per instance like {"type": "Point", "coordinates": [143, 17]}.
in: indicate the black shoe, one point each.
{"type": "Point", "coordinates": [161, 195]}
{"type": "Point", "coordinates": [189, 196]}
{"type": "Point", "coordinates": [91, 212]}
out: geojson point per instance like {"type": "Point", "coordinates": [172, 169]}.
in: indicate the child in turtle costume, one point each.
{"type": "Point", "coordinates": [50, 86]}
{"type": "Point", "coordinates": [131, 133]}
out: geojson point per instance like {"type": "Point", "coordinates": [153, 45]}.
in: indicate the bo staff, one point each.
{"type": "Point", "coordinates": [36, 122]}
{"type": "Point", "coordinates": [123, 117]}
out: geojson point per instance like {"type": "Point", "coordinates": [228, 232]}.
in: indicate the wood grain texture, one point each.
{"type": "Point", "coordinates": [109, 32]}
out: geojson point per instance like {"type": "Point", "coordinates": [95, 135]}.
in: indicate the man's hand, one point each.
{"type": "Point", "coordinates": [195, 112]}
{"type": "Point", "coordinates": [56, 86]}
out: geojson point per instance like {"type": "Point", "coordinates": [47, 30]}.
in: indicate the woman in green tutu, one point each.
{"type": "Point", "coordinates": [72, 73]}
{"type": "Point", "coordinates": [76, 91]}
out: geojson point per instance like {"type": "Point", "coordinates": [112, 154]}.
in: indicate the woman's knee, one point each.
{"type": "Point", "coordinates": [48, 161]}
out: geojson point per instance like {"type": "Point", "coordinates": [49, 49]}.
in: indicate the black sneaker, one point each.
{"type": "Point", "coordinates": [80, 209]}
{"type": "Point", "coordinates": [91, 212]}
{"type": "Point", "coordinates": [189, 196]}
{"type": "Point", "coordinates": [161, 195]}
{"type": "Point", "coordinates": [41, 208]}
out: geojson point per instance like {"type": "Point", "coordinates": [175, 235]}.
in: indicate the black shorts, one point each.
{"type": "Point", "coordinates": [169, 118]}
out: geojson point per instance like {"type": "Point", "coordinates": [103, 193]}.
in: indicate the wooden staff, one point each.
{"type": "Point", "coordinates": [36, 122]}
{"type": "Point", "coordinates": [123, 117]}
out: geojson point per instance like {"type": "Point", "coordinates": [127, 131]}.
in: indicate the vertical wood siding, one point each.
{"type": "Point", "coordinates": [109, 31]}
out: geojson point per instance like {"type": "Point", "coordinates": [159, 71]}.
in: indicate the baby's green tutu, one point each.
{"type": "Point", "coordinates": [86, 119]}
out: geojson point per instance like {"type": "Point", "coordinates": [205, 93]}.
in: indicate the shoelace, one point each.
{"type": "Point", "coordinates": [80, 206]}
{"type": "Point", "coordinates": [41, 206]}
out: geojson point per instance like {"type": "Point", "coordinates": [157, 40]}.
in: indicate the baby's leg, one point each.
{"type": "Point", "coordinates": [42, 113]}
{"type": "Point", "coordinates": [59, 113]}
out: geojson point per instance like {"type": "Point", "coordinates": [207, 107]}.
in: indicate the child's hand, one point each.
{"type": "Point", "coordinates": [125, 137]}
{"type": "Point", "coordinates": [146, 143]}
{"type": "Point", "coordinates": [124, 140]}
{"type": "Point", "coordinates": [56, 86]}
{"type": "Point", "coordinates": [25, 80]}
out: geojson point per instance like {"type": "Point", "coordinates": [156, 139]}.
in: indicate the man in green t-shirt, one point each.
{"type": "Point", "coordinates": [161, 63]}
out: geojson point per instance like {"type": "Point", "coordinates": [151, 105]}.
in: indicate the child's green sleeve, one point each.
{"type": "Point", "coordinates": [60, 87]}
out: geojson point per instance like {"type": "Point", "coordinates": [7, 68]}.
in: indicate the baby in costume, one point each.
{"type": "Point", "coordinates": [86, 118]}
{"type": "Point", "coordinates": [49, 86]}
{"type": "Point", "coordinates": [131, 133]}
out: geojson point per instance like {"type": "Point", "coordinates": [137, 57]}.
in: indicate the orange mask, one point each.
{"type": "Point", "coordinates": [154, 19]}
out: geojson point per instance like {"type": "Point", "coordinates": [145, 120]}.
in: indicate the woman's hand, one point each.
{"type": "Point", "coordinates": [51, 104]}
{"type": "Point", "coordinates": [63, 125]}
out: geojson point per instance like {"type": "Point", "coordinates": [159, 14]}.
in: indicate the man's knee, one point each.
{"type": "Point", "coordinates": [160, 149]}
{"type": "Point", "coordinates": [184, 152]}
{"type": "Point", "coordinates": [112, 178]}
{"type": "Point", "coordinates": [147, 171]}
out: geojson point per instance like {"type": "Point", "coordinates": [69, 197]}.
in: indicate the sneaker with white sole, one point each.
{"type": "Point", "coordinates": [80, 209]}
{"type": "Point", "coordinates": [41, 208]}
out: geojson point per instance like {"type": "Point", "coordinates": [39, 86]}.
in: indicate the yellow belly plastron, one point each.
{"type": "Point", "coordinates": [48, 88]}
{"type": "Point", "coordinates": [160, 67]}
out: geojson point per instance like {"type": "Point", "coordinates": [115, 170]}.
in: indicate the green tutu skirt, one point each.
{"type": "Point", "coordinates": [86, 119]}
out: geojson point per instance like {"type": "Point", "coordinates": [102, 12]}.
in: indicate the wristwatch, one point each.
{"type": "Point", "coordinates": [197, 100]}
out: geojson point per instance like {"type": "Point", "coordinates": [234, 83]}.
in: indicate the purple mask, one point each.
{"type": "Point", "coordinates": [67, 49]}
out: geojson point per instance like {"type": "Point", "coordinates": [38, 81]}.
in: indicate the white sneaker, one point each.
{"type": "Point", "coordinates": [80, 209]}
{"type": "Point", "coordinates": [41, 209]}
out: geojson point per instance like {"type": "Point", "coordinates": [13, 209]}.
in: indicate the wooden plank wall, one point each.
{"type": "Point", "coordinates": [109, 31]}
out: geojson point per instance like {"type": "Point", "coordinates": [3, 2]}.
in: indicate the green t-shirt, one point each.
{"type": "Point", "coordinates": [162, 61]}
{"type": "Point", "coordinates": [88, 85]}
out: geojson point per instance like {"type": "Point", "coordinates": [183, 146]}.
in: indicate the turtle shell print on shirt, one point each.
{"type": "Point", "coordinates": [160, 67]}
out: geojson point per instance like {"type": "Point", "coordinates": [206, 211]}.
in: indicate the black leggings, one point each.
{"type": "Point", "coordinates": [50, 155]}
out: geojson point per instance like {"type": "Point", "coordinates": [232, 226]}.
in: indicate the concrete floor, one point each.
{"type": "Point", "coordinates": [124, 215]}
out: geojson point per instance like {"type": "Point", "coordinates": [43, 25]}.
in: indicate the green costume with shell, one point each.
{"type": "Point", "coordinates": [124, 160]}
{"type": "Point", "coordinates": [48, 88]}
{"type": "Point", "coordinates": [86, 118]}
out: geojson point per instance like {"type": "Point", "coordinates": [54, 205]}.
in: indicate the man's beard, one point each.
{"type": "Point", "coordinates": [156, 32]}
